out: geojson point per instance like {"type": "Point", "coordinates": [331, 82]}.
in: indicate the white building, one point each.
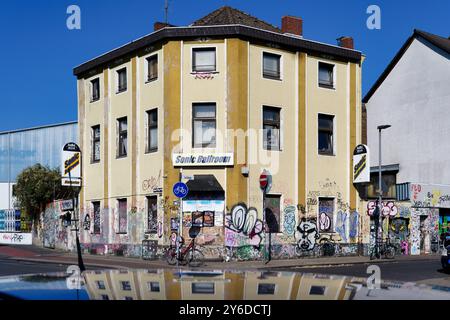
{"type": "Point", "coordinates": [413, 96]}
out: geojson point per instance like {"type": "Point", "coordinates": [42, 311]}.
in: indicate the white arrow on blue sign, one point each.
{"type": "Point", "coordinates": [180, 190]}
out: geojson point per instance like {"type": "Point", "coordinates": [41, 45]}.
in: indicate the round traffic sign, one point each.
{"type": "Point", "coordinates": [263, 180]}
{"type": "Point", "coordinates": [180, 190]}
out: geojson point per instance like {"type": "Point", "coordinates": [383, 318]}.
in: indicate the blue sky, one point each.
{"type": "Point", "coordinates": [39, 52]}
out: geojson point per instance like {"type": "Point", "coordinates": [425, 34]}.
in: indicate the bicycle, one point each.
{"type": "Point", "coordinates": [386, 249]}
{"type": "Point", "coordinates": [187, 255]}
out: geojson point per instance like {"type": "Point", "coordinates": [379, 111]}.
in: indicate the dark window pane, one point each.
{"type": "Point", "coordinates": [152, 214]}
{"type": "Point", "coordinates": [123, 137]}
{"type": "Point", "coordinates": [154, 287]}
{"type": "Point", "coordinates": [317, 290]}
{"type": "Point", "coordinates": [266, 288]}
{"type": "Point", "coordinates": [272, 205]}
{"type": "Point", "coordinates": [325, 134]}
{"type": "Point", "coordinates": [203, 288]}
{"type": "Point", "coordinates": [271, 128]}
{"type": "Point", "coordinates": [152, 144]}
{"type": "Point", "coordinates": [122, 80]}
{"type": "Point", "coordinates": [97, 222]}
{"type": "Point", "coordinates": [95, 89]}
{"type": "Point", "coordinates": [326, 74]}
{"type": "Point", "coordinates": [152, 63]}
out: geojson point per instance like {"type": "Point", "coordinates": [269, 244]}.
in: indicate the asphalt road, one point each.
{"type": "Point", "coordinates": [426, 271]}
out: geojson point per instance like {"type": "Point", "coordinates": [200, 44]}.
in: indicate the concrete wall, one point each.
{"type": "Point", "coordinates": [414, 99]}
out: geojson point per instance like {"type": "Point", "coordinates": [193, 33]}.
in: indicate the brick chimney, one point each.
{"type": "Point", "coordinates": [160, 25]}
{"type": "Point", "coordinates": [346, 42]}
{"type": "Point", "coordinates": [292, 25]}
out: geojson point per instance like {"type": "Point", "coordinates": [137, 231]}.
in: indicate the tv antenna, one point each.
{"type": "Point", "coordinates": [166, 11]}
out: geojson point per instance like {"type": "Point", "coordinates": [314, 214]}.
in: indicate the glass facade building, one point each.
{"type": "Point", "coordinates": [20, 149]}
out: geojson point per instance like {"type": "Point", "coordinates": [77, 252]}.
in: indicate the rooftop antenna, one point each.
{"type": "Point", "coordinates": [166, 11]}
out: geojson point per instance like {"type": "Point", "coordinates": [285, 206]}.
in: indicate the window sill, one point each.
{"type": "Point", "coordinates": [267, 149]}
{"type": "Point", "coordinates": [121, 91]}
{"type": "Point", "coordinates": [151, 232]}
{"type": "Point", "coordinates": [327, 86]}
{"type": "Point", "coordinates": [272, 78]}
{"type": "Point", "coordinates": [204, 72]}
{"type": "Point", "coordinates": [121, 157]}
{"type": "Point", "coordinates": [122, 233]}
{"type": "Point", "coordinates": [94, 100]}
{"type": "Point", "coordinates": [151, 80]}
{"type": "Point", "coordinates": [151, 151]}
{"type": "Point", "coordinates": [205, 147]}
{"type": "Point", "coordinates": [327, 154]}
{"type": "Point", "coordinates": [95, 162]}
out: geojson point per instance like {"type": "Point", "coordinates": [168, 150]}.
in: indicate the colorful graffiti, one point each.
{"type": "Point", "coordinates": [388, 208]}
{"type": "Point", "coordinates": [243, 227]}
{"type": "Point", "coordinates": [353, 228]}
{"type": "Point", "coordinates": [289, 220]}
{"type": "Point", "coordinates": [341, 224]}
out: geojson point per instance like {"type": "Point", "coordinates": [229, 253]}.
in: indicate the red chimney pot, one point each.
{"type": "Point", "coordinates": [292, 25]}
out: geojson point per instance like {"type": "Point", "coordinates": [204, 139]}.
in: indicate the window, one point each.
{"type": "Point", "coordinates": [271, 128]}
{"type": "Point", "coordinates": [204, 125]}
{"type": "Point", "coordinates": [272, 205]}
{"type": "Point", "coordinates": [105, 297]}
{"type": "Point", "coordinates": [317, 290]}
{"type": "Point", "coordinates": [326, 75]}
{"type": "Point", "coordinates": [326, 134]}
{"type": "Point", "coordinates": [95, 144]}
{"type": "Point", "coordinates": [203, 288]}
{"type": "Point", "coordinates": [153, 286]}
{"type": "Point", "coordinates": [271, 66]}
{"type": "Point", "coordinates": [204, 60]}
{"type": "Point", "coordinates": [123, 219]}
{"type": "Point", "coordinates": [152, 68]}
{"type": "Point", "coordinates": [122, 137]}
{"type": "Point", "coordinates": [101, 285]}
{"type": "Point", "coordinates": [122, 80]}
{"type": "Point", "coordinates": [152, 122]}
{"type": "Point", "coordinates": [126, 286]}
{"type": "Point", "coordinates": [152, 214]}
{"type": "Point", "coordinates": [266, 288]}
{"type": "Point", "coordinates": [326, 215]}
{"type": "Point", "coordinates": [95, 89]}
{"type": "Point", "coordinates": [128, 298]}
{"type": "Point", "coordinates": [96, 206]}
{"type": "Point", "coordinates": [388, 185]}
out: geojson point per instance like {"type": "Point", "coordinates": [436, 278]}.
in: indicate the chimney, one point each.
{"type": "Point", "coordinates": [346, 42]}
{"type": "Point", "coordinates": [292, 25]}
{"type": "Point", "coordinates": [160, 25]}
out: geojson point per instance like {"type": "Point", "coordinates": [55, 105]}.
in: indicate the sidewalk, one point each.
{"type": "Point", "coordinates": [42, 255]}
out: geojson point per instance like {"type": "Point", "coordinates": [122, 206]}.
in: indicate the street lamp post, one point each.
{"type": "Point", "coordinates": [380, 192]}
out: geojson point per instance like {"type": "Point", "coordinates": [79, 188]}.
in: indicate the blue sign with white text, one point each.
{"type": "Point", "coordinates": [180, 190]}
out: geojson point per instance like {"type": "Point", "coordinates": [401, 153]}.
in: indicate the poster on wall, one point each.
{"type": "Point", "coordinates": [218, 219]}
{"type": "Point", "coordinates": [208, 219]}
{"type": "Point", "coordinates": [197, 219]}
{"type": "Point", "coordinates": [71, 165]}
{"type": "Point", "coordinates": [361, 164]}
{"type": "Point", "coordinates": [174, 224]}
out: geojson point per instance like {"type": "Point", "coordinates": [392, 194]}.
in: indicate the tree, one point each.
{"type": "Point", "coordinates": [36, 187]}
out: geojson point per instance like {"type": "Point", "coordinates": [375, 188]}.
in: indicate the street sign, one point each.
{"type": "Point", "coordinates": [180, 190]}
{"type": "Point", "coordinates": [71, 165]}
{"type": "Point", "coordinates": [265, 181]}
{"type": "Point", "coordinates": [361, 164]}
{"type": "Point", "coordinates": [188, 177]}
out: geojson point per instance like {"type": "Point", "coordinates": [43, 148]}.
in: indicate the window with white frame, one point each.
{"type": "Point", "coordinates": [152, 68]}
{"type": "Point", "coordinates": [204, 125]}
{"type": "Point", "coordinates": [95, 144]}
{"type": "Point", "coordinates": [204, 59]}
{"type": "Point", "coordinates": [122, 80]}
{"type": "Point", "coordinates": [271, 128]}
{"type": "Point", "coordinates": [122, 137]}
{"type": "Point", "coordinates": [95, 89]}
{"type": "Point", "coordinates": [326, 134]}
{"type": "Point", "coordinates": [152, 127]}
{"type": "Point", "coordinates": [326, 75]}
{"type": "Point", "coordinates": [271, 66]}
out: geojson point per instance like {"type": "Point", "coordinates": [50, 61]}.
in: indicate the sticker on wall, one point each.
{"type": "Point", "coordinates": [208, 219]}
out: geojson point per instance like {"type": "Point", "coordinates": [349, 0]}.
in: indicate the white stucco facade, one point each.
{"type": "Point", "coordinates": [415, 100]}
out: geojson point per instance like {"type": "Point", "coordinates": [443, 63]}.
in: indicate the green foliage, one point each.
{"type": "Point", "coordinates": [36, 187]}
